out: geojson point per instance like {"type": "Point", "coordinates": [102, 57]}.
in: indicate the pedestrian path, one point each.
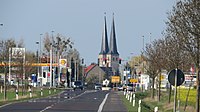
{"type": "Point", "coordinates": [114, 103]}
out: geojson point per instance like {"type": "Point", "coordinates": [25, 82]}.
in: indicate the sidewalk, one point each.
{"type": "Point", "coordinates": [114, 103]}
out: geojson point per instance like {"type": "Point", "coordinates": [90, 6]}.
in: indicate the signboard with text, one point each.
{"type": "Point", "coordinates": [115, 79]}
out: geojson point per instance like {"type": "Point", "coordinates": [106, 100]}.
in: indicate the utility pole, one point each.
{"type": "Point", "coordinates": [51, 67]}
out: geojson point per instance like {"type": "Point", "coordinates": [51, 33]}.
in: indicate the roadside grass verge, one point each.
{"type": "Point", "coordinates": [148, 104]}
{"type": "Point", "coordinates": [144, 107]}
{"type": "Point", "coordinates": [36, 93]}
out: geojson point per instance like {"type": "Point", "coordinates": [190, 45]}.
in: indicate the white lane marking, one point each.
{"type": "Point", "coordinates": [46, 108]}
{"type": "Point", "coordinates": [102, 103]}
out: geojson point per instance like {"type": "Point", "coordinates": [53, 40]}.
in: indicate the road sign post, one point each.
{"type": "Point", "coordinates": [175, 91]}
{"type": "Point", "coordinates": [176, 78]}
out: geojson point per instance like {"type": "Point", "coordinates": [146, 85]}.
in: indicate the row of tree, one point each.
{"type": "Point", "coordinates": [180, 45]}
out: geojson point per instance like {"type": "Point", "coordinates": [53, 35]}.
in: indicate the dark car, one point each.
{"type": "Point", "coordinates": [78, 85]}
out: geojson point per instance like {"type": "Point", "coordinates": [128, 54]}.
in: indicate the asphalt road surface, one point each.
{"type": "Point", "coordinates": [67, 101]}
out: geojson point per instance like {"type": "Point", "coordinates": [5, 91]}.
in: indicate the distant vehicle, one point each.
{"type": "Point", "coordinates": [78, 85]}
{"type": "Point", "coordinates": [97, 86]}
{"type": "Point", "coordinates": [120, 88]}
{"type": "Point", "coordinates": [128, 87]}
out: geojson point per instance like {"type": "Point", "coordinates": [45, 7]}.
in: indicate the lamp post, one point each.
{"type": "Point", "coordinates": [37, 43]}
{"type": "Point", "coordinates": [142, 63]}
{"type": "Point", "coordinates": [40, 56]}
{"type": "Point", "coordinates": [52, 60]}
{"type": "Point", "coordinates": [82, 62]}
{"type": "Point", "coordinates": [51, 79]}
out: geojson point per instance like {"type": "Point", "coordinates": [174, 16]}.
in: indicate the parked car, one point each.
{"type": "Point", "coordinates": [78, 85]}
{"type": "Point", "coordinates": [98, 86]}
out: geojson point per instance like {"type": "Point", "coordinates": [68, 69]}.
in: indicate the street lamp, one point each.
{"type": "Point", "coordinates": [142, 54]}
{"type": "Point", "coordinates": [40, 56]}
{"type": "Point", "coordinates": [37, 54]}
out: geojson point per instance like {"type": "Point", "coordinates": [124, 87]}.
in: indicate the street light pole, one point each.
{"type": "Point", "coordinates": [40, 57]}
{"type": "Point", "coordinates": [37, 43]}
{"type": "Point", "coordinates": [52, 60]}
{"type": "Point", "coordinates": [142, 63]}
{"type": "Point", "coordinates": [51, 79]}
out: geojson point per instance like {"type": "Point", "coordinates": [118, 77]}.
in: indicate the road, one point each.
{"type": "Point", "coordinates": [67, 101]}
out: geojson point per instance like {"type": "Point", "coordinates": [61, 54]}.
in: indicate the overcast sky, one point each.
{"type": "Point", "coordinates": [83, 20]}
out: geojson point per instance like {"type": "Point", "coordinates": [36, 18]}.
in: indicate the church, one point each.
{"type": "Point", "coordinates": [108, 59]}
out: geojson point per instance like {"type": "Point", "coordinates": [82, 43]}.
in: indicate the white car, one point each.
{"type": "Point", "coordinates": [97, 86]}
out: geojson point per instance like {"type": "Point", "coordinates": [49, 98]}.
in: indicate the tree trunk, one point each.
{"type": "Point", "coordinates": [197, 94]}
{"type": "Point", "coordinates": [170, 91]}
{"type": "Point", "coordinates": [152, 94]}
{"type": "Point", "coordinates": [159, 86]}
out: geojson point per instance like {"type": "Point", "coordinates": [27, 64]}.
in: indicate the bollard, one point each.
{"type": "Point", "coordinates": [156, 109]}
{"type": "Point", "coordinates": [139, 107]}
{"type": "Point", "coordinates": [124, 92]}
{"type": "Point", "coordinates": [30, 92]}
{"type": "Point", "coordinates": [49, 90]}
{"type": "Point", "coordinates": [17, 97]}
{"type": "Point", "coordinates": [128, 96]}
{"type": "Point", "coordinates": [41, 92]}
{"type": "Point", "coordinates": [133, 100]}
{"type": "Point", "coordinates": [131, 97]}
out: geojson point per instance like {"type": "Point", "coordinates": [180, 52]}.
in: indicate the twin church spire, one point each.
{"type": "Point", "coordinates": [112, 49]}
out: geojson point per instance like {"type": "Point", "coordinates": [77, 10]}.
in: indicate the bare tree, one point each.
{"type": "Point", "coordinates": [184, 21]}
{"type": "Point", "coordinates": [154, 60]}
{"type": "Point", "coordinates": [60, 44]}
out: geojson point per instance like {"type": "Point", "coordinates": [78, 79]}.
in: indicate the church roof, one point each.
{"type": "Point", "coordinates": [104, 44]}
{"type": "Point", "coordinates": [113, 44]}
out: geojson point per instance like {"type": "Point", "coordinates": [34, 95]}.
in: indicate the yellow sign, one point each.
{"type": "Point", "coordinates": [115, 79]}
{"type": "Point", "coordinates": [162, 77]}
{"type": "Point", "coordinates": [133, 80]}
{"type": "Point", "coordinates": [63, 62]}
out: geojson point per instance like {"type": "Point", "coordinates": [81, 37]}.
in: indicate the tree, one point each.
{"type": "Point", "coordinates": [174, 56]}
{"type": "Point", "coordinates": [154, 58]}
{"type": "Point", "coordinates": [184, 21]}
{"type": "Point", "coordinates": [60, 44]}
{"type": "Point", "coordinates": [5, 45]}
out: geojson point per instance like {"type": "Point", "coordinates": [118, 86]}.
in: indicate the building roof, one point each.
{"type": "Point", "coordinates": [90, 67]}
{"type": "Point", "coordinates": [104, 44]}
{"type": "Point", "coordinates": [113, 44]}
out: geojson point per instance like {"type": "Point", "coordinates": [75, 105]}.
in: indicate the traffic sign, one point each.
{"type": "Point", "coordinates": [133, 80]}
{"type": "Point", "coordinates": [180, 77]}
{"type": "Point", "coordinates": [115, 79]}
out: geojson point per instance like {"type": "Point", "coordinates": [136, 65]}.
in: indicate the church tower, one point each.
{"type": "Point", "coordinates": [102, 61]}
{"type": "Point", "coordinates": [113, 55]}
